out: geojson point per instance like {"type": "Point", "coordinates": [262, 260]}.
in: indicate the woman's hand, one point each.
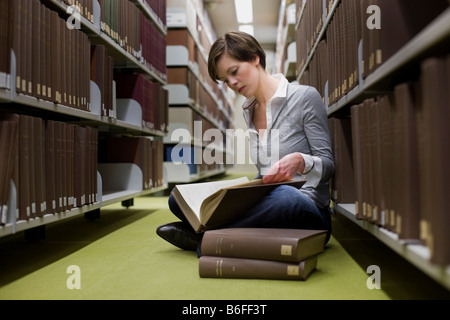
{"type": "Point", "coordinates": [285, 169]}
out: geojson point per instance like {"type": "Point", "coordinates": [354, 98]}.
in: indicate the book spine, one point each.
{"type": "Point", "coordinates": [277, 249]}
{"type": "Point", "coordinates": [220, 267]}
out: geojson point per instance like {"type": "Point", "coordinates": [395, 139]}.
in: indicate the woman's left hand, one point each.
{"type": "Point", "coordinates": [285, 169]}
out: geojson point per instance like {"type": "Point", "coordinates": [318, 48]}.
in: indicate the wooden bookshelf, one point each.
{"type": "Point", "coordinates": [437, 32]}
{"type": "Point", "coordinates": [210, 103]}
{"type": "Point", "coordinates": [432, 40]}
{"type": "Point", "coordinates": [121, 121]}
{"type": "Point", "coordinates": [414, 252]}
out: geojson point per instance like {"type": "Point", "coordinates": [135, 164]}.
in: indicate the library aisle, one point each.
{"type": "Point", "coordinates": [121, 257]}
{"type": "Point", "coordinates": [95, 93]}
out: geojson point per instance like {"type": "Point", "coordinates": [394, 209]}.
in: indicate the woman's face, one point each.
{"type": "Point", "coordinates": [241, 76]}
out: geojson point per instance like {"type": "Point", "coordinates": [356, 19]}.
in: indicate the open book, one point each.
{"type": "Point", "coordinates": [210, 205]}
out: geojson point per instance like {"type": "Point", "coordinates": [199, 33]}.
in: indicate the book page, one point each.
{"type": "Point", "coordinates": [195, 193]}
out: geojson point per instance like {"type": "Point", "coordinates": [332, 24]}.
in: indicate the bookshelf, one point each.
{"type": "Point", "coordinates": [109, 182]}
{"type": "Point", "coordinates": [197, 104]}
{"type": "Point", "coordinates": [286, 52]}
{"type": "Point", "coordinates": [405, 65]}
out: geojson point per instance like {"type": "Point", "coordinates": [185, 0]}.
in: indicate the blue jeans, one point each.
{"type": "Point", "coordinates": [285, 207]}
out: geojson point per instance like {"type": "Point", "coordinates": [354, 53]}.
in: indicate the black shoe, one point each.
{"type": "Point", "coordinates": [180, 234]}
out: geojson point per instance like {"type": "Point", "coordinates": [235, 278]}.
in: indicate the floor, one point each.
{"type": "Point", "coordinates": [119, 256]}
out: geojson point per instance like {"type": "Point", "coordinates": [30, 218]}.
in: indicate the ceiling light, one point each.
{"type": "Point", "coordinates": [244, 11]}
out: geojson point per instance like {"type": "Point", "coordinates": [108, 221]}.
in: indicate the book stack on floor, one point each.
{"type": "Point", "coordinates": [259, 253]}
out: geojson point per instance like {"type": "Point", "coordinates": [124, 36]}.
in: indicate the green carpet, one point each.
{"type": "Point", "coordinates": [121, 257]}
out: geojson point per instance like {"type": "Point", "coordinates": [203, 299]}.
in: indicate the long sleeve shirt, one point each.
{"type": "Point", "coordinates": [296, 122]}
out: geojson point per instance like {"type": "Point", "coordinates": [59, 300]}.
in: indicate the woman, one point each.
{"type": "Point", "coordinates": [286, 120]}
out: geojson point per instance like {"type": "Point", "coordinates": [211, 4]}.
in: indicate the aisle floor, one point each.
{"type": "Point", "coordinates": [120, 256]}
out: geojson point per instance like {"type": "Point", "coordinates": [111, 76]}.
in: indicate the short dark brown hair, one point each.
{"type": "Point", "coordinates": [240, 46]}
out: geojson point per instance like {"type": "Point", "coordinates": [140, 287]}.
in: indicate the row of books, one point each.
{"type": "Point", "coordinates": [55, 63]}
{"type": "Point", "coordinates": [248, 253]}
{"type": "Point", "coordinates": [8, 134]}
{"type": "Point", "coordinates": [102, 73]}
{"type": "Point", "coordinates": [153, 45]}
{"type": "Point", "coordinates": [128, 26]}
{"type": "Point", "coordinates": [182, 37]}
{"type": "Point", "coordinates": [85, 7]}
{"type": "Point", "coordinates": [53, 165]}
{"type": "Point", "coordinates": [382, 31]}
{"type": "Point", "coordinates": [395, 149]}
{"type": "Point", "coordinates": [146, 153]}
{"type": "Point", "coordinates": [45, 50]}
{"type": "Point", "coordinates": [308, 29]}
{"type": "Point", "coordinates": [152, 96]}
{"type": "Point", "coordinates": [159, 7]}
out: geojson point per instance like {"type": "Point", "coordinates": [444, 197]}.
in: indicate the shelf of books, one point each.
{"type": "Point", "coordinates": [383, 69]}
{"type": "Point", "coordinates": [83, 108]}
{"type": "Point", "coordinates": [286, 53]}
{"type": "Point", "coordinates": [200, 110]}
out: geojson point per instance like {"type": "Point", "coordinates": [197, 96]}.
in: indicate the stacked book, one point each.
{"type": "Point", "coordinates": [260, 253]}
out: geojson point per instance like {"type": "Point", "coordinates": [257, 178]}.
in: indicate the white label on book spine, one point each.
{"type": "Point", "coordinates": [286, 250]}
{"type": "Point", "coordinates": [293, 270]}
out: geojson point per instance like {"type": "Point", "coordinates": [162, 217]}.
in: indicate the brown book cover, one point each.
{"type": "Point", "coordinates": [209, 205]}
{"type": "Point", "coordinates": [31, 167]}
{"type": "Point", "coordinates": [15, 33]}
{"type": "Point", "coordinates": [375, 149]}
{"type": "Point", "coordinates": [4, 39]}
{"type": "Point", "coordinates": [366, 158]}
{"type": "Point", "coordinates": [46, 76]}
{"type": "Point", "coordinates": [405, 136]}
{"type": "Point", "coordinates": [58, 166]}
{"type": "Point", "coordinates": [344, 173]}
{"type": "Point", "coordinates": [62, 97]}
{"type": "Point", "coordinates": [70, 171]}
{"type": "Point", "coordinates": [386, 104]}
{"type": "Point", "coordinates": [232, 268]}
{"type": "Point", "coordinates": [50, 166]}
{"type": "Point", "coordinates": [109, 86]}
{"type": "Point", "coordinates": [36, 49]}
{"type": "Point", "coordinates": [4, 137]}
{"type": "Point", "coordinates": [287, 245]}
{"type": "Point", "coordinates": [24, 159]}
{"type": "Point", "coordinates": [29, 46]}
{"type": "Point", "coordinates": [159, 159]}
{"type": "Point", "coordinates": [435, 82]}
{"type": "Point", "coordinates": [14, 120]}
{"type": "Point", "coordinates": [98, 71]}
{"type": "Point", "coordinates": [69, 38]}
{"type": "Point", "coordinates": [80, 166]}
{"type": "Point", "coordinates": [39, 166]}
{"type": "Point", "coordinates": [45, 58]}
{"type": "Point", "coordinates": [90, 164]}
{"type": "Point", "coordinates": [94, 160]}
{"type": "Point", "coordinates": [154, 167]}
{"type": "Point", "coordinates": [357, 160]}
{"type": "Point", "coordinates": [8, 134]}
{"type": "Point", "coordinates": [64, 175]}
